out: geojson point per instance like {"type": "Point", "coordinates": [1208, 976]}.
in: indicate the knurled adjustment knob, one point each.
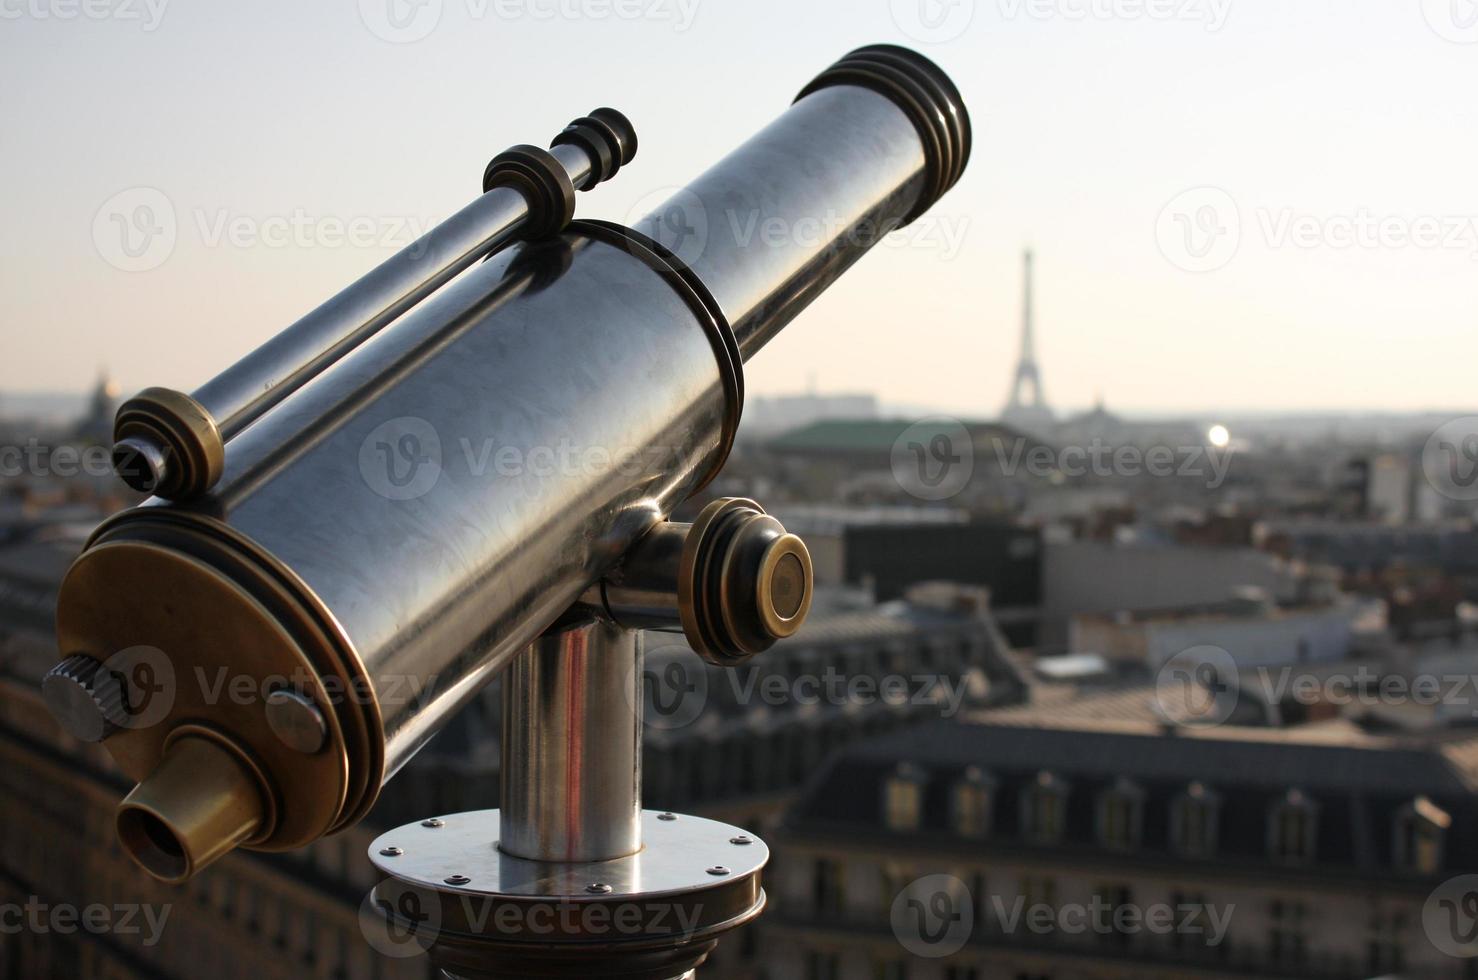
{"type": "Point", "coordinates": [608, 139]}
{"type": "Point", "coordinates": [745, 582]}
{"type": "Point", "coordinates": [89, 700]}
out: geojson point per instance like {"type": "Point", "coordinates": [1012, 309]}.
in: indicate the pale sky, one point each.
{"type": "Point", "coordinates": [1329, 145]}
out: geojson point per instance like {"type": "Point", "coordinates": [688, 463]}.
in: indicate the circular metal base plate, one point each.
{"type": "Point", "coordinates": [482, 913]}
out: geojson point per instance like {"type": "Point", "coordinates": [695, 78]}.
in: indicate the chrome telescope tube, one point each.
{"type": "Point", "coordinates": [867, 147]}
{"type": "Point", "coordinates": [172, 444]}
{"type": "Point", "coordinates": [391, 535]}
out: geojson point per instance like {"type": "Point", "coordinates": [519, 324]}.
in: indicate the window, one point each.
{"type": "Point", "coordinates": [1043, 809]}
{"type": "Point", "coordinates": [971, 804]}
{"type": "Point", "coordinates": [826, 886]}
{"type": "Point", "coordinates": [1195, 932]}
{"type": "Point", "coordinates": [1386, 945]}
{"type": "Point", "coordinates": [979, 897]}
{"type": "Point", "coordinates": [890, 970]}
{"type": "Point", "coordinates": [902, 801]}
{"type": "Point", "coordinates": [1193, 821]}
{"type": "Point", "coordinates": [1291, 834]}
{"type": "Point", "coordinates": [1421, 827]}
{"type": "Point", "coordinates": [823, 966]}
{"type": "Point", "coordinates": [892, 880]}
{"type": "Point", "coordinates": [1119, 809]}
{"type": "Point", "coordinates": [1288, 932]}
{"type": "Point", "coordinates": [1113, 898]}
{"type": "Point", "coordinates": [1039, 891]}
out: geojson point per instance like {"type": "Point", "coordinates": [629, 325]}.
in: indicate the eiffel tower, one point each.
{"type": "Point", "coordinates": [1028, 414]}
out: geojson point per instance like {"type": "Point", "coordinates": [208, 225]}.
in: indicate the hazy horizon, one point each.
{"type": "Point", "coordinates": [74, 401]}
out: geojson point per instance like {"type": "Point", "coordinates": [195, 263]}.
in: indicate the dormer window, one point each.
{"type": "Point", "coordinates": [1120, 808]}
{"type": "Point", "coordinates": [1193, 821]}
{"type": "Point", "coordinates": [903, 798]}
{"type": "Point", "coordinates": [1421, 827]}
{"type": "Point", "coordinates": [971, 803]}
{"type": "Point", "coordinates": [1292, 826]}
{"type": "Point", "coordinates": [1044, 809]}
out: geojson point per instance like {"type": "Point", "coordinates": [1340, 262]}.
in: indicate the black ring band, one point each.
{"type": "Point", "coordinates": [925, 95]}
{"type": "Point", "coordinates": [710, 315]}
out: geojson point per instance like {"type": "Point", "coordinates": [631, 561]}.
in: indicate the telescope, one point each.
{"type": "Point", "coordinates": [464, 466]}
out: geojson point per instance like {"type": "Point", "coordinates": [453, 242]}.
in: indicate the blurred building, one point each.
{"type": "Point", "coordinates": [858, 461]}
{"type": "Point", "coordinates": [1368, 546]}
{"type": "Point", "coordinates": [1087, 577]}
{"type": "Point", "coordinates": [1250, 628]}
{"type": "Point", "coordinates": [1030, 846]}
{"type": "Point", "coordinates": [767, 415]}
{"type": "Point", "coordinates": [887, 550]}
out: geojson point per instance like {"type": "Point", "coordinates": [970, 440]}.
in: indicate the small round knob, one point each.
{"type": "Point", "coordinates": [86, 698]}
{"type": "Point", "coordinates": [745, 582]}
{"type": "Point", "coordinates": [607, 137]}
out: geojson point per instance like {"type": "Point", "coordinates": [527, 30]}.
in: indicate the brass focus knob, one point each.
{"type": "Point", "coordinates": [744, 582]}
{"type": "Point", "coordinates": [86, 698]}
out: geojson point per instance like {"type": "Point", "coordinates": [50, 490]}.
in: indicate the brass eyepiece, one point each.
{"type": "Point", "coordinates": [744, 583]}
{"type": "Point", "coordinates": [201, 802]}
